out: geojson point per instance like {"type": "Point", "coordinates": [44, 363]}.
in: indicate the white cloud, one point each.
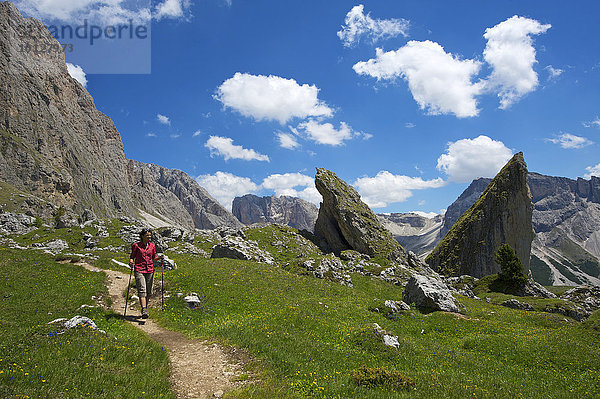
{"type": "Point", "coordinates": [172, 9]}
{"type": "Point", "coordinates": [271, 98]}
{"type": "Point", "coordinates": [594, 123]}
{"type": "Point", "coordinates": [439, 82]}
{"type": "Point", "coordinates": [77, 73]}
{"type": "Point", "coordinates": [197, 133]}
{"type": "Point", "coordinates": [150, 134]}
{"type": "Point", "coordinates": [469, 159]}
{"type": "Point", "coordinates": [163, 119]}
{"type": "Point", "coordinates": [570, 141]}
{"type": "Point", "coordinates": [224, 187]}
{"type": "Point", "coordinates": [409, 125]}
{"type": "Point", "coordinates": [386, 188]}
{"type": "Point", "coordinates": [510, 53]}
{"type": "Point", "coordinates": [592, 171]}
{"type": "Point", "coordinates": [175, 135]}
{"type": "Point", "coordinates": [75, 11]}
{"type": "Point", "coordinates": [358, 24]}
{"type": "Point", "coordinates": [224, 146]}
{"type": "Point", "coordinates": [325, 133]}
{"type": "Point", "coordinates": [291, 184]}
{"type": "Point", "coordinates": [553, 73]}
{"type": "Point", "coordinates": [287, 140]}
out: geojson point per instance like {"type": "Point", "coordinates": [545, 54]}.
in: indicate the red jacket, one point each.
{"type": "Point", "coordinates": [143, 256]}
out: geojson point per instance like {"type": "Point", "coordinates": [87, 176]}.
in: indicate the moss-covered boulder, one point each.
{"type": "Point", "coordinates": [346, 222]}
{"type": "Point", "coordinates": [501, 215]}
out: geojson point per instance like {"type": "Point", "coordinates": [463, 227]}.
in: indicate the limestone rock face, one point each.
{"type": "Point", "coordinates": [414, 232]}
{"type": "Point", "coordinates": [173, 195]}
{"type": "Point", "coordinates": [345, 222]}
{"type": "Point", "coordinates": [463, 203]}
{"type": "Point", "coordinates": [55, 144]}
{"type": "Point", "coordinates": [501, 215]}
{"type": "Point", "coordinates": [286, 210]}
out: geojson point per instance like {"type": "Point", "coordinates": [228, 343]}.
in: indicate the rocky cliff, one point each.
{"type": "Point", "coordinates": [414, 232]}
{"type": "Point", "coordinates": [501, 215]}
{"type": "Point", "coordinates": [346, 222]}
{"type": "Point", "coordinates": [55, 144]}
{"type": "Point", "coordinates": [290, 211]}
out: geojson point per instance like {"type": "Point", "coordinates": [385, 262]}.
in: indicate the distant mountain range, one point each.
{"type": "Point", "coordinates": [566, 219]}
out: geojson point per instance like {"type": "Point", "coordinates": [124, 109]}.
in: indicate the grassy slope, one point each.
{"type": "Point", "coordinates": [309, 349]}
{"type": "Point", "coordinates": [35, 361]}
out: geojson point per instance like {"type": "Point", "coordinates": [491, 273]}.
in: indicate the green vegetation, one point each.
{"type": "Point", "coordinates": [38, 360]}
{"type": "Point", "coordinates": [511, 268]}
{"type": "Point", "coordinates": [311, 337]}
{"type": "Point", "coordinates": [381, 376]}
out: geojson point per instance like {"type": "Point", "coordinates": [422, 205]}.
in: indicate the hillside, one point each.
{"type": "Point", "coordinates": [56, 145]}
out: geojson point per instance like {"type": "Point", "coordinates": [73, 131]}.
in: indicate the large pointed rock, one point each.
{"type": "Point", "coordinates": [345, 222]}
{"type": "Point", "coordinates": [501, 215]}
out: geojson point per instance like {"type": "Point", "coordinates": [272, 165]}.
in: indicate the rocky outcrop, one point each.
{"type": "Point", "coordinates": [173, 195]}
{"type": "Point", "coordinates": [346, 222]}
{"type": "Point", "coordinates": [463, 203]}
{"type": "Point", "coordinates": [56, 145]}
{"type": "Point", "coordinates": [429, 293]}
{"type": "Point", "coordinates": [235, 247]}
{"type": "Point", "coordinates": [501, 215]}
{"type": "Point", "coordinates": [414, 232]}
{"type": "Point", "coordinates": [285, 210]}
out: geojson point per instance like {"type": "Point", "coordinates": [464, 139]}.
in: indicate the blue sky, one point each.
{"type": "Point", "coordinates": [406, 100]}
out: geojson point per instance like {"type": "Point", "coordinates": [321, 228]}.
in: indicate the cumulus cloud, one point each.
{"type": "Point", "coordinates": [77, 73]}
{"type": "Point", "coordinates": [293, 185]}
{"type": "Point", "coordinates": [75, 11]}
{"type": "Point", "coordinates": [510, 52]}
{"type": "Point", "coordinates": [553, 73]}
{"type": "Point", "coordinates": [592, 171]}
{"type": "Point", "coordinates": [570, 141]}
{"type": "Point", "coordinates": [224, 186]}
{"type": "Point", "coordinates": [386, 188]}
{"type": "Point", "coordinates": [469, 159]}
{"type": "Point", "coordinates": [224, 147]}
{"type": "Point", "coordinates": [271, 98]}
{"type": "Point", "coordinates": [357, 24]}
{"type": "Point", "coordinates": [172, 9]}
{"type": "Point", "coordinates": [594, 123]}
{"type": "Point", "coordinates": [325, 133]}
{"type": "Point", "coordinates": [287, 140]}
{"type": "Point", "coordinates": [439, 82]}
{"type": "Point", "coordinates": [163, 119]}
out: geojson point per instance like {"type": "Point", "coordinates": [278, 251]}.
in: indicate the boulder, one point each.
{"type": "Point", "coordinates": [16, 223]}
{"type": "Point", "coordinates": [387, 337]}
{"type": "Point", "coordinates": [193, 301]}
{"type": "Point", "coordinates": [235, 247]}
{"type": "Point", "coordinates": [501, 215]}
{"type": "Point", "coordinates": [429, 293]}
{"type": "Point", "coordinates": [396, 306]}
{"type": "Point", "coordinates": [346, 222]}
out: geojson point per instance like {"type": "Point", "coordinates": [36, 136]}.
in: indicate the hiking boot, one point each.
{"type": "Point", "coordinates": [145, 314]}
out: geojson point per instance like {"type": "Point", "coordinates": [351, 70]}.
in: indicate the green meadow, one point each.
{"type": "Point", "coordinates": [302, 337]}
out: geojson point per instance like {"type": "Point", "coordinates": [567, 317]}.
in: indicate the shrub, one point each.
{"type": "Point", "coordinates": [380, 376]}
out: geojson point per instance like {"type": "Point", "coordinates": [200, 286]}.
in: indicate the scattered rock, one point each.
{"type": "Point", "coordinates": [16, 223]}
{"type": "Point", "coordinates": [235, 247]}
{"type": "Point", "coordinates": [430, 294]}
{"type": "Point", "coordinates": [192, 301]}
{"type": "Point", "coordinates": [515, 304]}
{"type": "Point", "coordinates": [586, 296]}
{"type": "Point", "coordinates": [56, 245]}
{"type": "Point", "coordinates": [387, 338]}
{"type": "Point", "coordinates": [397, 306]}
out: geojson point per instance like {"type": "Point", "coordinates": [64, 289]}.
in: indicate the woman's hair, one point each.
{"type": "Point", "coordinates": [143, 232]}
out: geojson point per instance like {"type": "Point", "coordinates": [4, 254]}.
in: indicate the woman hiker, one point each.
{"type": "Point", "coordinates": [143, 255]}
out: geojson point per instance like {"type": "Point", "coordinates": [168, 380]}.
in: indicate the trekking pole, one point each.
{"type": "Point", "coordinates": [128, 284]}
{"type": "Point", "coordinates": [162, 283]}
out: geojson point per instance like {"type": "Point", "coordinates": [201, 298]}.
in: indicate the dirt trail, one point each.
{"type": "Point", "coordinates": [198, 369]}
